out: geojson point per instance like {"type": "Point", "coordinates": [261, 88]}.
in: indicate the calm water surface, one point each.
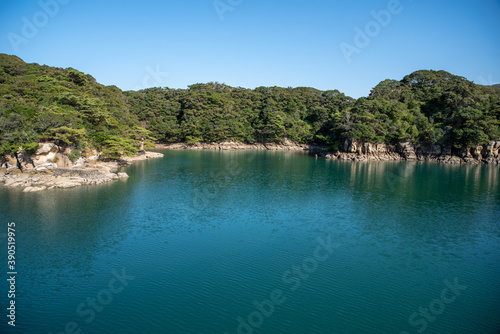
{"type": "Point", "coordinates": [260, 242]}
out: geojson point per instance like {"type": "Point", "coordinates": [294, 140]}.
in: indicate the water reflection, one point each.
{"type": "Point", "coordinates": [216, 227]}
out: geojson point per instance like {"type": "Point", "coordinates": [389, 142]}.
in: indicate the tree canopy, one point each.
{"type": "Point", "coordinates": [42, 103]}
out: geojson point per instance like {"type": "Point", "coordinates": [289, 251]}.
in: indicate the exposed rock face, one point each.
{"type": "Point", "coordinates": [490, 152]}
{"type": "Point", "coordinates": [352, 150]}
{"type": "Point", "coordinates": [48, 156]}
{"type": "Point", "coordinates": [407, 151]}
{"type": "Point", "coordinates": [51, 168]}
{"type": "Point", "coordinates": [355, 151]}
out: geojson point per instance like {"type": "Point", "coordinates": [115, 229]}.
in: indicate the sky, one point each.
{"type": "Point", "coordinates": [346, 45]}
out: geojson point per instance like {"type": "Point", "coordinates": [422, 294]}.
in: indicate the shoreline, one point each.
{"type": "Point", "coordinates": [39, 174]}
{"type": "Point", "coordinates": [236, 146]}
{"type": "Point", "coordinates": [353, 151]}
{"type": "Point", "coordinates": [88, 172]}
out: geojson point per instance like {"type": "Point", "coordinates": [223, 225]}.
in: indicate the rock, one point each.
{"type": "Point", "coordinates": [65, 185]}
{"type": "Point", "coordinates": [352, 146]}
{"type": "Point", "coordinates": [47, 166]}
{"type": "Point", "coordinates": [45, 148]}
{"type": "Point", "coordinates": [10, 161]}
{"type": "Point", "coordinates": [229, 145]}
{"type": "Point", "coordinates": [352, 150]}
{"type": "Point", "coordinates": [144, 156]}
{"type": "Point", "coordinates": [46, 174]}
{"type": "Point", "coordinates": [46, 153]}
{"type": "Point", "coordinates": [368, 148]}
{"type": "Point", "coordinates": [464, 153]}
{"type": "Point", "coordinates": [490, 151]}
{"type": "Point", "coordinates": [407, 150]}
{"type": "Point", "coordinates": [34, 189]}
{"type": "Point", "coordinates": [476, 152]}
{"type": "Point", "coordinates": [79, 163]}
{"type": "Point", "coordinates": [455, 160]}
{"type": "Point", "coordinates": [63, 160]}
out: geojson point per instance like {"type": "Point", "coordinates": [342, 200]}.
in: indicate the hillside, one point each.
{"type": "Point", "coordinates": [425, 108]}
{"type": "Point", "coordinates": [42, 103]}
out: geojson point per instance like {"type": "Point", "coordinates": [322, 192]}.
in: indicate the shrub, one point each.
{"type": "Point", "coordinates": [74, 155]}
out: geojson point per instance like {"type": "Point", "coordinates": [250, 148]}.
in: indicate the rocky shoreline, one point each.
{"type": "Point", "coordinates": [354, 151]}
{"type": "Point", "coordinates": [235, 146]}
{"type": "Point", "coordinates": [50, 168]}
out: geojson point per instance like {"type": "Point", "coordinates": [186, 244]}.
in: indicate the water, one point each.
{"type": "Point", "coordinates": [229, 242]}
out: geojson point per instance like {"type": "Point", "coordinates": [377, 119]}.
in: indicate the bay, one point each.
{"type": "Point", "coordinates": [262, 242]}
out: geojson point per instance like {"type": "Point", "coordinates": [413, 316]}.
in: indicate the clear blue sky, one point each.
{"type": "Point", "coordinates": [258, 42]}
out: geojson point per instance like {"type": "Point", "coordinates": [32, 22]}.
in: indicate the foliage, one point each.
{"type": "Point", "coordinates": [68, 107]}
{"type": "Point", "coordinates": [426, 107]}
{"type": "Point", "coordinates": [74, 155]}
{"type": "Point", "coordinates": [216, 112]}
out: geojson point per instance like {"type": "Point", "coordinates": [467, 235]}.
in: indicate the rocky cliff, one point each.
{"type": "Point", "coordinates": [352, 150]}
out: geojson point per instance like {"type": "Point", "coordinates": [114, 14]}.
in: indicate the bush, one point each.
{"type": "Point", "coordinates": [74, 155]}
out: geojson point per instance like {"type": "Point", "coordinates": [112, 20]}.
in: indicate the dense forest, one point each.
{"type": "Point", "coordinates": [42, 103]}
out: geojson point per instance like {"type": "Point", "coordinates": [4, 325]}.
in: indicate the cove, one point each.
{"type": "Point", "coordinates": [260, 242]}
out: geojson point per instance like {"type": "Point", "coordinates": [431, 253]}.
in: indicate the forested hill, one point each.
{"type": "Point", "coordinates": [426, 107]}
{"type": "Point", "coordinates": [42, 103]}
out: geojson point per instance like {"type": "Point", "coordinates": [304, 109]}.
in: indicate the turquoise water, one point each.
{"type": "Point", "coordinates": [260, 242]}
